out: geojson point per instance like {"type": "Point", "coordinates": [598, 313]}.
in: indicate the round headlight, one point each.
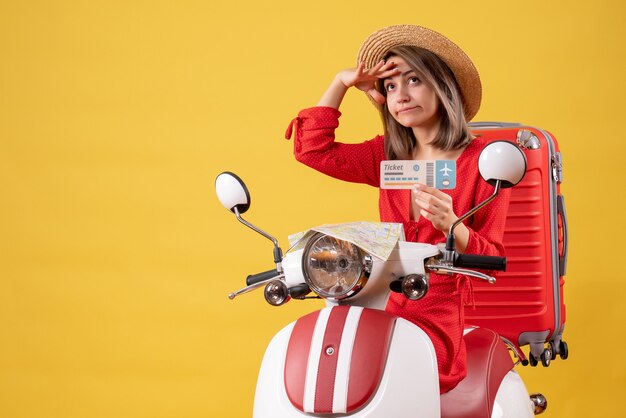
{"type": "Point", "coordinates": [333, 268]}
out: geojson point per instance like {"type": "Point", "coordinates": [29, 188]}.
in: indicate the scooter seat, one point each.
{"type": "Point", "coordinates": [488, 361]}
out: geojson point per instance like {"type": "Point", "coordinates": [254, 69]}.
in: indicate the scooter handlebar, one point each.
{"type": "Point", "coordinates": [482, 262]}
{"type": "Point", "coordinates": [259, 277]}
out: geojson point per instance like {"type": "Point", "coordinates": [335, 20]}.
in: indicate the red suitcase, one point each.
{"type": "Point", "coordinates": [526, 306]}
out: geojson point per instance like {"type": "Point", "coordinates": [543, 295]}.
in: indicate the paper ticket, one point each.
{"type": "Point", "coordinates": [404, 174]}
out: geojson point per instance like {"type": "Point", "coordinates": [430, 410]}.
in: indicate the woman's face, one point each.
{"type": "Point", "coordinates": [410, 101]}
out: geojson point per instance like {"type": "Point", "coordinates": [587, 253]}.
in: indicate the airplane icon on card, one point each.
{"type": "Point", "coordinates": [446, 170]}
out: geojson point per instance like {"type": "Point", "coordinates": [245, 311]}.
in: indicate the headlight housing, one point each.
{"type": "Point", "coordinates": [333, 268]}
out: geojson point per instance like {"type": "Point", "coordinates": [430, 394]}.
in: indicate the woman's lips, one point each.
{"type": "Point", "coordinates": [407, 109]}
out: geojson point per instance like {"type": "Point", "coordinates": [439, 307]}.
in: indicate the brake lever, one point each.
{"type": "Point", "coordinates": [254, 286]}
{"type": "Point", "coordinates": [444, 268]}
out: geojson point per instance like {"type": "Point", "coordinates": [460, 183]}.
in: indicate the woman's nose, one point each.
{"type": "Point", "coordinates": [401, 95]}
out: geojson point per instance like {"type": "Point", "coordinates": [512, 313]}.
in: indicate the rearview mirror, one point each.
{"type": "Point", "coordinates": [502, 160]}
{"type": "Point", "coordinates": [232, 192]}
{"type": "Point", "coordinates": [501, 164]}
{"type": "Point", "coordinates": [234, 196]}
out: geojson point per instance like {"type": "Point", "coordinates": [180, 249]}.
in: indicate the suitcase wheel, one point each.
{"type": "Point", "coordinates": [545, 358]}
{"type": "Point", "coordinates": [560, 349]}
{"type": "Point", "coordinates": [554, 350]}
{"type": "Point", "coordinates": [563, 350]}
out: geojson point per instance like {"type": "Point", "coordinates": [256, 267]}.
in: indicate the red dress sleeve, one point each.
{"type": "Point", "coordinates": [315, 146]}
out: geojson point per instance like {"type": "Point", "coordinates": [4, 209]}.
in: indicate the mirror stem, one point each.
{"type": "Point", "coordinates": [278, 253]}
{"type": "Point", "coordinates": [450, 244]}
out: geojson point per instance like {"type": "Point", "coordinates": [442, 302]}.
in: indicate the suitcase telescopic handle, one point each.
{"type": "Point", "coordinates": [483, 262]}
{"type": "Point", "coordinates": [487, 124]}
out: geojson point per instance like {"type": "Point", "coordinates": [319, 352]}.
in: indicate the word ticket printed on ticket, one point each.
{"type": "Point", "coordinates": [404, 174]}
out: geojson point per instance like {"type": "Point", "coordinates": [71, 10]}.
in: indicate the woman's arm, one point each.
{"type": "Point", "coordinates": [364, 80]}
{"type": "Point", "coordinates": [314, 143]}
{"type": "Point", "coordinates": [315, 146]}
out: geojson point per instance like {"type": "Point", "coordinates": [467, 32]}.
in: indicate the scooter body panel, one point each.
{"type": "Point", "coordinates": [408, 387]}
{"type": "Point", "coordinates": [512, 399]}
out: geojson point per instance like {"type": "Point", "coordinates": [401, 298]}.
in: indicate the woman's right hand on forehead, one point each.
{"type": "Point", "coordinates": [365, 80]}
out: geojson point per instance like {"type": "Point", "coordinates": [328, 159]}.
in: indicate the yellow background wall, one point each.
{"type": "Point", "coordinates": [115, 118]}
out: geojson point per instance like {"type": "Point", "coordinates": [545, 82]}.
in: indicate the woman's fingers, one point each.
{"type": "Point", "coordinates": [389, 66]}
{"type": "Point", "coordinates": [366, 79]}
{"type": "Point", "coordinates": [376, 68]}
{"type": "Point", "coordinates": [376, 96]}
{"type": "Point", "coordinates": [360, 69]}
{"type": "Point", "coordinates": [429, 194]}
{"type": "Point", "coordinates": [435, 206]}
{"type": "Point", "coordinates": [382, 69]}
{"type": "Point", "coordinates": [428, 202]}
{"type": "Point", "coordinates": [389, 73]}
{"type": "Point", "coordinates": [385, 70]}
{"type": "Point", "coordinates": [432, 191]}
{"type": "Point", "coordinates": [426, 214]}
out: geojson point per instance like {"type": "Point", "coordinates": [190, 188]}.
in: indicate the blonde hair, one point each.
{"type": "Point", "coordinates": [454, 132]}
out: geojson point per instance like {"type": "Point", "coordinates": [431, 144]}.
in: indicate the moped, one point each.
{"type": "Point", "coordinates": [353, 359]}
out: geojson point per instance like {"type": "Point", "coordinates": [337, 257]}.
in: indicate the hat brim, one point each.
{"type": "Point", "coordinates": [378, 44]}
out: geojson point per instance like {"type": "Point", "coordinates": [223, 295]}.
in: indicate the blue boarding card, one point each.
{"type": "Point", "coordinates": [404, 174]}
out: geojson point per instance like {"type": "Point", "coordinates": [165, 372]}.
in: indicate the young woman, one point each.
{"type": "Point", "coordinates": [426, 89]}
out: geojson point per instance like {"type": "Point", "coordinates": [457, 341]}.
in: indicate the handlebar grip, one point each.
{"type": "Point", "coordinates": [483, 262]}
{"type": "Point", "coordinates": [256, 278]}
{"type": "Point", "coordinates": [299, 291]}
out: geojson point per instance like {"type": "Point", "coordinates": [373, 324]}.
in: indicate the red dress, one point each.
{"type": "Point", "coordinates": [440, 312]}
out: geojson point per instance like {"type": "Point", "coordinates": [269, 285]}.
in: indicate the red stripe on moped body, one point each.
{"type": "Point", "coordinates": [297, 358]}
{"type": "Point", "coordinates": [369, 355]}
{"type": "Point", "coordinates": [325, 387]}
{"type": "Point", "coordinates": [367, 359]}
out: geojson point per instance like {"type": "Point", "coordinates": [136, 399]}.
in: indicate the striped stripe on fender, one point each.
{"type": "Point", "coordinates": [327, 361]}
{"type": "Point", "coordinates": [340, 397]}
{"type": "Point", "coordinates": [369, 355]}
{"type": "Point", "coordinates": [297, 358]}
{"type": "Point", "coordinates": [336, 357]}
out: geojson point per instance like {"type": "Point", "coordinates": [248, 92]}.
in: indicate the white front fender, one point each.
{"type": "Point", "coordinates": [409, 385]}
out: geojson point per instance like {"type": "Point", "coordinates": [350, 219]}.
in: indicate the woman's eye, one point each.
{"type": "Point", "coordinates": [414, 80]}
{"type": "Point", "coordinates": [389, 87]}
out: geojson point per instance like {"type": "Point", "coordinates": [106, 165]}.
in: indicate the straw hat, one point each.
{"type": "Point", "coordinates": [380, 42]}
